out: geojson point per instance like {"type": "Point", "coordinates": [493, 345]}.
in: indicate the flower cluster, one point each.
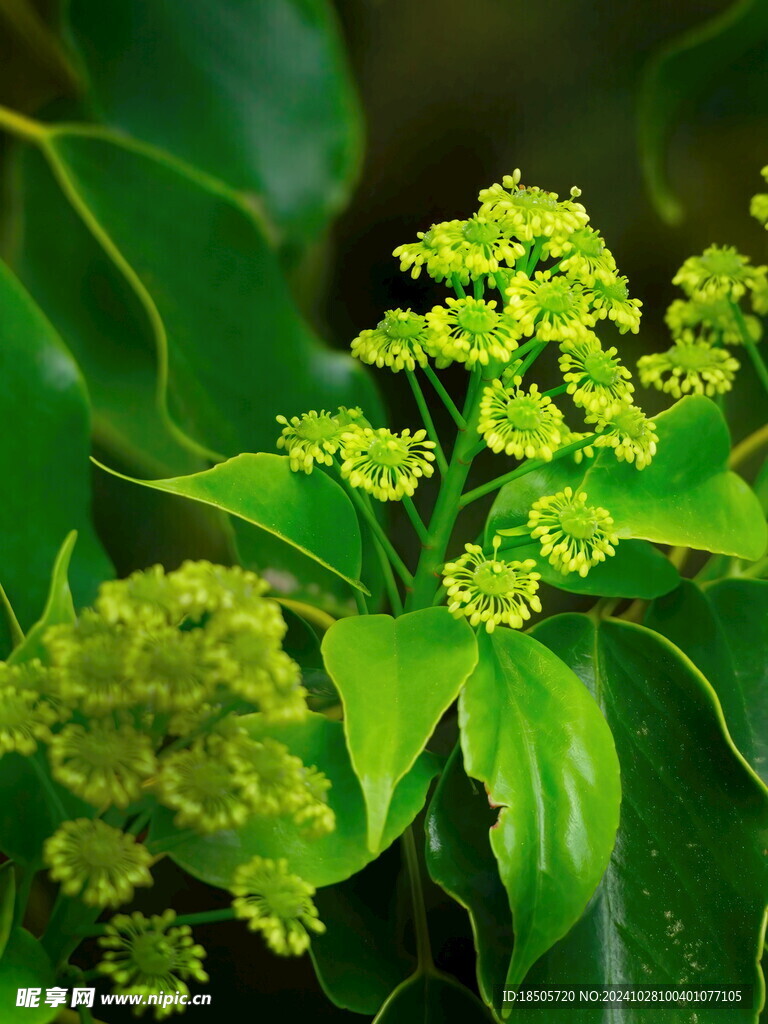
{"type": "Point", "coordinates": [490, 591]}
{"type": "Point", "coordinates": [710, 318]}
{"type": "Point", "coordinates": [151, 955]}
{"type": "Point", "coordinates": [141, 701]}
{"type": "Point", "coordinates": [501, 247]}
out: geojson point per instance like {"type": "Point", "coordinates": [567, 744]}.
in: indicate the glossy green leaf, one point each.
{"type": "Point", "coordinates": [43, 458]}
{"type": "Point", "coordinates": [311, 512]}
{"type": "Point", "coordinates": [459, 858]}
{"type": "Point", "coordinates": [531, 733]}
{"type": "Point", "coordinates": [741, 607]}
{"type": "Point", "coordinates": [7, 903]}
{"type": "Point", "coordinates": [24, 964]}
{"type": "Point", "coordinates": [678, 75]}
{"type": "Point", "coordinates": [431, 997]}
{"type": "Point", "coordinates": [59, 607]}
{"type": "Point", "coordinates": [683, 899]}
{"type": "Point", "coordinates": [687, 619]}
{"type": "Point", "coordinates": [360, 958]}
{"type": "Point", "coordinates": [233, 351]}
{"type": "Point", "coordinates": [256, 93]}
{"type": "Point", "coordinates": [103, 323]}
{"type": "Point", "coordinates": [686, 496]}
{"type": "Point", "coordinates": [396, 677]}
{"type": "Point", "coordinates": [638, 569]}
{"type": "Point", "coordinates": [324, 861]}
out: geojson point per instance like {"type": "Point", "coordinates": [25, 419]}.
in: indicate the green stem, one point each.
{"type": "Point", "coordinates": [204, 917]}
{"type": "Point", "coordinates": [757, 570]}
{"type": "Point", "coordinates": [534, 257]}
{"type": "Point", "coordinates": [427, 420]}
{"type": "Point", "coordinates": [447, 505]}
{"type": "Point", "coordinates": [416, 520]}
{"type": "Point", "coordinates": [397, 563]}
{"type": "Point", "coordinates": [423, 947]}
{"type": "Point", "coordinates": [15, 630]}
{"type": "Point", "coordinates": [527, 467]}
{"type": "Point", "coordinates": [458, 287]}
{"type": "Point", "coordinates": [757, 360]}
{"type": "Point", "coordinates": [69, 920]}
{"type": "Point", "coordinates": [22, 894]}
{"type": "Point", "coordinates": [446, 399]}
{"type": "Point", "coordinates": [360, 602]}
{"type": "Point", "coordinates": [553, 392]}
{"type": "Point", "coordinates": [389, 582]}
{"type": "Point", "coordinates": [47, 784]}
{"type": "Point", "coordinates": [479, 287]}
{"type": "Point", "coordinates": [531, 357]}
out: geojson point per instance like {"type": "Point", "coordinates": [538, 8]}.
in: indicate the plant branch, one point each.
{"type": "Point", "coordinates": [757, 360]}
{"type": "Point", "coordinates": [367, 513]}
{"type": "Point", "coordinates": [446, 399]}
{"type": "Point", "coordinates": [416, 520]}
{"type": "Point", "coordinates": [423, 947]}
{"type": "Point", "coordinates": [748, 447]}
{"type": "Point", "coordinates": [426, 417]}
{"type": "Point", "coordinates": [527, 467]}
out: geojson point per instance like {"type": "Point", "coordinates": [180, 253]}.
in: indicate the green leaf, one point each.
{"type": "Point", "coordinates": [396, 677]}
{"type": "Point", "coordinates": [430, 997]}
{"type": "Point", "coordinates": [25, 965]}
{"type": "Point", "coordinates": [724, 631]}
{"type": "Point", "coordinates": [359, 959]}
{"type": "Point", "coordinates": [683, 899]}
{"type": "Point", "coordinates": [533, 735]}
{"type": "Point", "coordinates": [687, 618]}
{"type": "Point", "coordinates": [324, 861]}
{"type": "Point", "coordinates": [459, 858]}
{"type": "Point", "coordinates": [311, 512]}
{"type": "Point", "coordinates": [741, 607]}
{"type": "Point", "coordinates": [7, 903]}
{"type": "Point", "coordinates": [59, 607]}
{"type": "Point", "coordinates": [43, 458]}
{"type": "Point", "coordinates": [232, 349]}
{"type": "Point", "coordinates": [678, 75]}
{"type": "Point", "coordinates": [686, 496]}
{"type": "Point", "coordinates": [638, 569]}
{"type": "Point", "coordinates": [102, 321]}
{"type": "Point", "coordinates": [256, 93]}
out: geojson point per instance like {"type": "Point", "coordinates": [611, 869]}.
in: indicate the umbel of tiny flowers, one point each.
{"type": "Point", "coordinates": [596, 379]}
{"type": "Point", "coordinates": [384, 464]}
{"type": "Point", "coordinates": [627, 430]}
{"type": "Point", "coordinates": [573, 535]}
{"type": "Point", "coordinates": [720, 272]}
{"type": "Point", "coordinates": [525, 424]}
{"type": "Point", "coordinates": [471, 331]}
{"type": "Point", "coordinates": [399, 341]}
{"type": "Point", "coordinates": [490, 591]}
{"type": "Point", "coordinates": [25, 716]}
{"type": "Point", "coordinates": [151, 955]}
{"type": "Point", "coordinates": [758, 206]}
{"type": "Point", "coordinates": [690, 366]}
{"type": "Point", "coordinates": [315, 437]}
{"type": "Point", "coordinates": [712, 321]}
{"type": "Point", "coordinates": [551, 308]}
{"type": "Point", "coordinates": [96, 862]}
{"type": "Point", "coordinates": [276, 903]}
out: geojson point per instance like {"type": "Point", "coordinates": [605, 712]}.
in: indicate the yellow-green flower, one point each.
{"type": "Point", "coordinates": [471, 331]}
{"type": "Point", "coordinates": [570, 437]}
{"type": "Point", "coordinates": [97, 863]}
{"type": "Point", "coordinates": [489, 591]}
{"type": "Point", "coordinates": [203, 788]}
{"type": "Point", "coordinates": [429, 252]}
{"type": "Point", "coordinates": [248, 658]}
{"type": "Point", "coordinates": [609, 297]}
{"type": "Point", "coordinates": [102, 763]}
{"type": "Point", "coordinates": [530, 212]}
{"type": "Point", "coordinates": [595, 376]}
{"type": "Point", "coordinates": [713, 320]}
{"type": "Point", "coordinates": [203, 588]}
{"type": "Point", "coordinates": [170, 668]}
{"type": "Point", "coordinates": [387, 465]}
{"type": "Point", "coordinates": [573, 535]}
{"type": "Point", "coordinates": [689, 367]}
{"type": "Point", "coordinates": [758, 207]}
{"type": "Point", "coordinates": [277, 904]}
{"type": "Point", "coordinates": [25, 720]}
{"type": "Point", "coordinates": [481, 243]}
{"type": "Point", "coordinates": [315, 436]}
{"type": "Point", "coordinates": [525, 424]}
{"type": "Point", "coordinates": [92, 658]}
{"type": "Point", "coordinates": [629, 432]}
{"type": "Point", "coordinates": [584, 255]}
{"type": "Point", "coordinates": [398, 341]}
{"type": "Point", "coordinates": [552, 308]}
{"type": "Point", "coordinates": [143, 600]}
{"type": "Point", "coordinates": [151, 955]}
{"type": "Point", "coordinates": [720, 272]}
